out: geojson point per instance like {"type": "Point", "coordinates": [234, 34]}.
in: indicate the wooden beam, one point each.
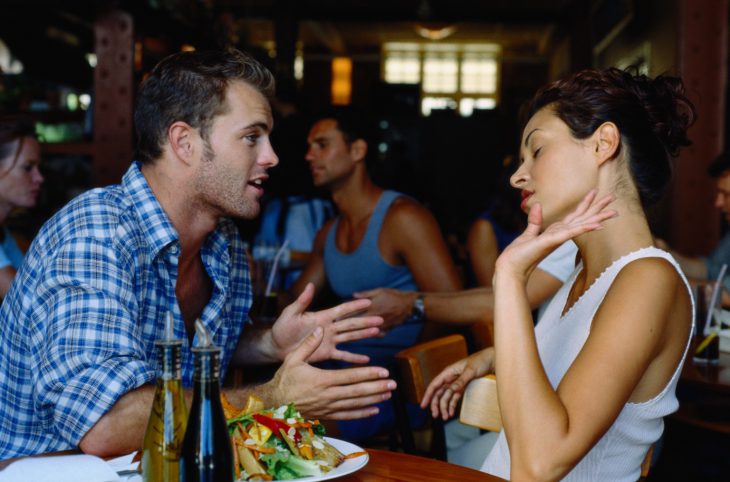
{"type": "Point", "coordinates": [702, 60]}
{"type": "Point", "coordinates": [113, 91]}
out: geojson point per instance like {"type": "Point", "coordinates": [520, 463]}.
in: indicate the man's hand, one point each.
{"type": "Point", "coordinates": [294, 324]}
{"type": "Point", "coordinates": [329, 394]}
{"type": "Point", "coordinates": [394, 306]}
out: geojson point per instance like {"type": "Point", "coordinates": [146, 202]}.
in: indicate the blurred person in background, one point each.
{"type": "Point", "coordinates": [20, 184]}
{"type": "Point", "coordinates": [707, 268]}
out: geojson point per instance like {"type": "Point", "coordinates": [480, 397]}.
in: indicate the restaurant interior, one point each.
{"type": "Point", "coordinates": [445, 80]}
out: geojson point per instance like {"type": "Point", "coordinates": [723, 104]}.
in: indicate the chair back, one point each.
{"type": "Point", "coordinates": [416, 367]}
{"type": "Point", "coordinates": [420, 364]}
{"type": "Point", "coordinates": [480, 408]}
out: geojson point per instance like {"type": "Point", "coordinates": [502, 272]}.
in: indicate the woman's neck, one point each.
{"type": "Point", "coordinates": [627, 232]}
{"type": "Point", "coordinates": [5, 210]}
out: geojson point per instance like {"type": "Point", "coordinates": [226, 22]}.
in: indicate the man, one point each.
{"type": "Point", "coordinates": [380, 238]}
{"type": "Point", "coordinates": [77, 329]}
{"type": "Point", "coordinates": [708, 267]}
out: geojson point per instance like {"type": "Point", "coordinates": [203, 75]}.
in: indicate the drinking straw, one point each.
{"type": "Point", "coordinates": [274, 265]}
{"type": "Point", "coordinates": [705, 342]}
{"type": "Point", "coordinates": [713, 300]}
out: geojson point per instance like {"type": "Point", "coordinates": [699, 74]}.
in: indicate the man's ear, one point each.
{"type": "Point", "coordinates": [358, 149]}
{"type": "Point", "coordinates": [606, 142]}
{"type": "Point", "coordinates": [183, 140]}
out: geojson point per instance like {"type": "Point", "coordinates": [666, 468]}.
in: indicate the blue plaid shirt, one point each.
{"type": "Point", "coordinates": [77, 328]}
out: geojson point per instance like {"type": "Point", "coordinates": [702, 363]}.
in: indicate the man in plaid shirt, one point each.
{"type": "Point", "coordinates": [78, 325]}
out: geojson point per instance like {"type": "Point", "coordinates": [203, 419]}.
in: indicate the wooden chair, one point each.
{"type": "Point", "coordinates": [416, 367]}
{"type": "Point", "coordinates": [480, 408]}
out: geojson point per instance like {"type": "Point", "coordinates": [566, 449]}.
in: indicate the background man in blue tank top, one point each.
{"type": "Point", "coordinates": [381, 238]}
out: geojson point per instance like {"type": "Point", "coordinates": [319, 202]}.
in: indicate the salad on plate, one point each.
{"type": "Point", "coordinates": [278, 444]}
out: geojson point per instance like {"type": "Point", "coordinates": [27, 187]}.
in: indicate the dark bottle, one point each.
{"type": "Point", "coordinates": [166, 426]}
{"type": "Point", "coordinates": [206, 455]}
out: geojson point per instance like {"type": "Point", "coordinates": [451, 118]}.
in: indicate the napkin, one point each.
{"type": "Point", "coordinates": [126, 468]}
{"type": "Point", "coordinates": [60, 468]}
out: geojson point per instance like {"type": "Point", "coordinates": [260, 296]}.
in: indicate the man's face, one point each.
{"type": "Point", "coordinates": [722, 201]}
{"type": "Point", "coordinates": [329, 156]}
{"type": "Point", "coordinates": [237, 155]}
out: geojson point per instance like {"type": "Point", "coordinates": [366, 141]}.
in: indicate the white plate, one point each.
{"type": "Point", "coordinates": [347, 467]}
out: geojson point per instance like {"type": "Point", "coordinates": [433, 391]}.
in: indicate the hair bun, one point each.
{"type": "Point", "coordinates": [668, 109]}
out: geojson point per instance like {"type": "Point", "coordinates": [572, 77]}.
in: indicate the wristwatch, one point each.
{"type": "Point", "coordinates": [419, 308]}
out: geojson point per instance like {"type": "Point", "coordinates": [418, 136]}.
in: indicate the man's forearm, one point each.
{"type": "Point", "coordinates": [255, 347]}
{"type": "Point", "coordinates": [692, 267]}
{"type": "Point", "coordinates": [121, 429]}
{"type": "Point", "coordinates": [470, 306]}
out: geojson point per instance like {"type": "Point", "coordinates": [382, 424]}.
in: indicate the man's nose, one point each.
{"type": "Point", "coordinates": [720, 201]}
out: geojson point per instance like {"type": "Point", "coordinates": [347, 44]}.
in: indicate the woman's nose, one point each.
{"type": "Point", "coordinates": [518, 178]}
{"type": "Point", "coordinates": [37, 176]}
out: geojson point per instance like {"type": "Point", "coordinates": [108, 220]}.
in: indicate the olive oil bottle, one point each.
{"type": "Point", "coordinates": [166, 426]}
{"type": "Point", "coordinates": [207, 455]}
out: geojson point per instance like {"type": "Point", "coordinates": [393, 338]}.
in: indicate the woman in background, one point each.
{"type": "Point", "coordinates": [20, 184]}
{"type": "Point", "coordinates": [583, 394]}
{"type": "Point", "coordinates": [494, 229]}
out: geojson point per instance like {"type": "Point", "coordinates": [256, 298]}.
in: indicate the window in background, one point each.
{"type": "Point", "coordinates": [463, 77]}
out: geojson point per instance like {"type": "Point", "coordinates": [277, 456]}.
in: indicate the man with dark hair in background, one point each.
{"type": "Point", "coordinates": [380, 238]}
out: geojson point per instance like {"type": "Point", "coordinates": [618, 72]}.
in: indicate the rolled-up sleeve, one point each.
{"type": "Point", "coordinates": [89, 341]}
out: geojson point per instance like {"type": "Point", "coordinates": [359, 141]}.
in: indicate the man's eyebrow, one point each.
{"type": "Point", "coordinates": [527, 139]}
{"type": "Point", "coordinates": [260, 125]}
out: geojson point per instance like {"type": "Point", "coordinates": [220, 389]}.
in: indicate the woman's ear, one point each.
{"type": "Point", "coordinates": [358, 149]}
{"type": "Point", "coordinates": [182, 138]}
{"type": "Point", "coordinates": [607, 142]}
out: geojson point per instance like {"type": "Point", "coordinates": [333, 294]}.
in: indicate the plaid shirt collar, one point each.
{"type": "Point", "coordinates": [154, 223]}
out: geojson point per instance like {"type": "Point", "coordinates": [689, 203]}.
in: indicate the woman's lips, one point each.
{"type": "Point", "coordinates": [525, 196]}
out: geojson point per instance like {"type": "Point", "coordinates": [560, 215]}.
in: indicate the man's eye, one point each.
{"type": "Point", "coordinates": [537, 152]}
{"type": "Point", "coordinates": [252, 138]}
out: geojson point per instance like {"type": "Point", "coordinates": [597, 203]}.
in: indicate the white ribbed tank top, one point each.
{"type": "Point", "coordinates": [618, 455]}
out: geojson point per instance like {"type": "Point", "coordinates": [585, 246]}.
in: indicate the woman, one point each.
{"type": "Point", "coordinates": [583, 394]}
{"type": "Point", "coordinates": [20, 183]}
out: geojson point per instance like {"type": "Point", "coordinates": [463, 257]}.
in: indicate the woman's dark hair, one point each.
{"type": "Point", "coordinates": [191, 87]}
{"type": "Point", "coordinates": [13, 128]}
{"type": "Point", "coordinates": [652, 116]}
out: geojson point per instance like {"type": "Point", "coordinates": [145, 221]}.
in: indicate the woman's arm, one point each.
{"type": "Point", "coordinates": [481, 243]}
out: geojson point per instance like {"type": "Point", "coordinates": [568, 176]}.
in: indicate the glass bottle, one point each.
{"type": "Point", "coordinates": [207, 455]}
{"type": "Point", "coordinates": [168, 417]}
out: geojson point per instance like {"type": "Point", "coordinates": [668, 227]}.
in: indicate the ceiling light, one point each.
{"type": "Point", "coordinates": [432, 31]}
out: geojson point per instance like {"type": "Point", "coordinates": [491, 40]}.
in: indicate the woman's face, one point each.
{"type": "Point", "coordinates": [557, 170]}
{"type": "Point", "coordinates": [20, 183]}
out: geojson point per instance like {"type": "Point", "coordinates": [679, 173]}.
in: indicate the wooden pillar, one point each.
{"type": "Point", "coordinates": [113, 89]}
{"type": "Point", "coordinates": [702, 61]}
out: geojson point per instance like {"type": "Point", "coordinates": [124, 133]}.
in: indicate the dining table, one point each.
{"type": "Point", "coordinates": [386, 466]}
{"type": "Point", "coordinates": [704, 394]}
